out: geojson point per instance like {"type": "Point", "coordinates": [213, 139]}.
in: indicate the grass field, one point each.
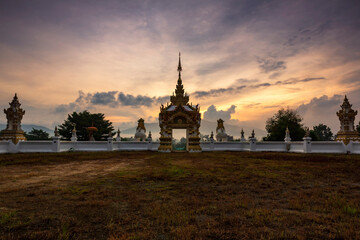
{"type": "Point", "coordinates": [146, 195]}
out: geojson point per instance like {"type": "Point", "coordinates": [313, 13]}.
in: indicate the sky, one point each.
{"type": "Point", "coordinates": [242, 60]}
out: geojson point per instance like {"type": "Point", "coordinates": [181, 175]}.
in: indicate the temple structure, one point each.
{"type": "Point", "coordinates": [221, 135]}
{"type": "Point", "coordinates": [179, 114]}
{"type": "Point", "coordinates": [347, 117]}
{"type": "Point", "coordinates": [140, 134]}
{"type": "Point", "coordinates": [14, 115]}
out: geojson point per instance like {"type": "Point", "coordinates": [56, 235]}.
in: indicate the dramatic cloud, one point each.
{"type": "Point", "coordinates": [352, 78]}
{"type": "Point", "coordinates": [268, 65]}
{"type": "Point", "coordinates": [111, 99]}
{"type": "Point", "coordinates": [114, 98]}
{"type": "Point", "coordinates": [139, 100]}
{"type": "Point", "coordinates": [123, 55]}
{"type": "Point", "coordinates": [237, 89]}
{"type": "Point", "coordinates": [295, 80]}
{"type": "Point", "coordinates": [212, 114]}
{"type": "Point", "coordinates": [217, 92]}
{"type": "Point", "coordinates": [304, 36]}
{"type": "Point", "coordinates": [321, 110]}
{"type": "Point", "coordinates": [104, 98]}
{"type": "Point", "coordinates": [80, 104]}
{"type": "Point", "coordinates": [323, 103]}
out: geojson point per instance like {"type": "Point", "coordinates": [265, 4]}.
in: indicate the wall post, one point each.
{"type": "Point", "coordinates": [56, 144]}
{"type": "Point", "coordinates": [110, 146]}
{"type": "Point", "coordinates": [252, 144]}
{"type": "Point", "coordinates": [307, 144]}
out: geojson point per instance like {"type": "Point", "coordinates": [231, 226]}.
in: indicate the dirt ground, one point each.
{"type": "Point", "coordinates": [19, 177]}
{"type": "Point", "coordinates": [146, 195]}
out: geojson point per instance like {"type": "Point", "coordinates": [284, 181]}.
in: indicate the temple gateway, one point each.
{"type": "Point", "coordinates": [179, 114]}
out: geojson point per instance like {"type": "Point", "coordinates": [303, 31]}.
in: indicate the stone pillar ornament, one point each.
{"type": "Point", "coordinates": [14, 115]}
{"type": "Point", "coordinates": [149, 138]}
{"type": "Point", "coordinates": [56, 140]}
{"type": "Point", "coordinates": [118, 138]}
{"type": "Point", "coordinates": [56, 132]}
{"type": "Point", "coordinates": [287, 135]}
{"type": "Point", "coordinates": [242, 139]}
{"type": "Point", "coordinates": [212, 136]}
{"type": "Point", "coordinates": [252, 136]}
{"type": "Point", "coordinates": [74, 136]}
{"type": "Point", "coordinates": [110, 146]}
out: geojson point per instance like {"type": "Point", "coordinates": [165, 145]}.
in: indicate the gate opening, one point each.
{"type": "Point", "coordinates": [179, 140]}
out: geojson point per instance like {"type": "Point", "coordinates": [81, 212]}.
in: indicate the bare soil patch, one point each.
{"type": "Point", "coordinates": [18, 177]}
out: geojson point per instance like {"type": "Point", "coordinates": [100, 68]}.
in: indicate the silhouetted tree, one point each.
{"type": "Point", "coordinates": [37, 134]}
{"type": "Point", "coordinates": [358, 128]}
{"type": "Point", "coordinates": [276, 126]}
{"type": "Point", "coordinates": [314, 136]}
{"type": "Point", "coordinates": [82, 121]}
{"type": "Point", "coordinates": [321, 132]}
{"type": "Point", "coordinates": [179, 145]}
{"type": "Point", "coordinates": [204, 138]}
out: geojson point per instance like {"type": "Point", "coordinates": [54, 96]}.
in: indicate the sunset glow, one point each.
{"type": "Point", "coordinates": [120, 57]}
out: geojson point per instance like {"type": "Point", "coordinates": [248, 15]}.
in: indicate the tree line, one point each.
{"type": "Point", "coordinates": [275, 127]}
{"type": "Point", "coordinates": [288, 118]}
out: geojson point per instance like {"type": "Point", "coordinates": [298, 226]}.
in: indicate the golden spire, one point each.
{"type": "Point", "coordinates": [179, 70]}
{"type": "Point", "coordinates": [179, 65]}
{"type": "Point", "coordinates": [179, 97]}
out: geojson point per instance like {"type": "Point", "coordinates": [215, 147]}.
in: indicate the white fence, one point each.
{"type": "Point", "coordinates": [225, 146]}
{"type": "Point", "coordinates": [355, 147]}
{"type": "Point", "coordinates": [55, 145]}
{"type": "Point", "coordinates": [34, 146]}
{"type": "Point", "coordinates": [296, 147]}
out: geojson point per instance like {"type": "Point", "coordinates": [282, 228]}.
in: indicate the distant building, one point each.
{"type": "Point", "coordinates": [347, 117]}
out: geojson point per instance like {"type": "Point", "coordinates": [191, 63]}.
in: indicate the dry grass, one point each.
{"type": "Point", "coordinates": [145, 195]}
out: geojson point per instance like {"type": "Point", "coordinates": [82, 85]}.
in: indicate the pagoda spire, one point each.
{"type": "Point", "coordinates": [179, 97]}
{"type": "Point", "coordinates": [179, 65]}
{"type": "Point", "coordinates": [179, 70]}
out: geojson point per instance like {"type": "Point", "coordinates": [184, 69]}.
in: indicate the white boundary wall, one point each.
{"type": "Point", "coordinates": [55, 145]}
{"type": "Point", "coordinates": [296, 147]}
{"type": "Point", "coordinates": [355, 147]}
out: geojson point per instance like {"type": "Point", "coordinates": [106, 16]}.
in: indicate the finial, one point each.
{"type": "Point", "coordinates": [179, 65]}
{"type": "Point", "coordinates": [56, 132]}
{"type": "Point", "coordinates": [74, 129]}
